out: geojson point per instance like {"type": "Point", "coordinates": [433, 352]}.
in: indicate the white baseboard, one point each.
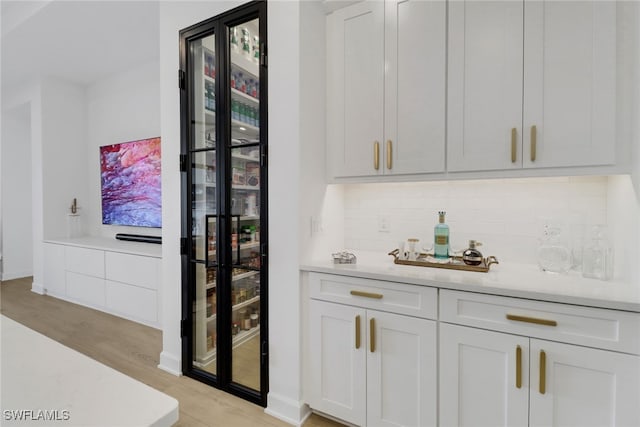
{"type": "Point", "coordinates": [170, 363]}
{"type": "Point", "coordinates": [38, 288]}
{"type": "Point", "coordinates": [288, 410]}
{"type": "Point", "coordinates": [10, 275]}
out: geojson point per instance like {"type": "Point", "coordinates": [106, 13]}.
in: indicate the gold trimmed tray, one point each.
{"type": "Point", "coordinates": [455, 263]}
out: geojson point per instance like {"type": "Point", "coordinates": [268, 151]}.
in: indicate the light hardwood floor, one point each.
{"type": "Point", "coordinates": [132, 349]}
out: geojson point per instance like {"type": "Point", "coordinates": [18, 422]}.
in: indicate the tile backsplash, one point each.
{"type": "Point", "coordinates": [506, 215]}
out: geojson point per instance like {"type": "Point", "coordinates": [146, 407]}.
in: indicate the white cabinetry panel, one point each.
{"type": "Point", "coordinates": [84, 261]}
{"type": "Point", "coordinates": [87, 289]}
{"type": "Point", "coordinates": [54, 275]}
{"type": "Point", "coordinates": [133, 269]}
{"type": "Point", "coordinates": [132, 301]}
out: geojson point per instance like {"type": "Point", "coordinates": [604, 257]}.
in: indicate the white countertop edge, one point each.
{"type": "Point", "coordinates": [515, 280]}
{"type": "Point", "coordinates": [153, 250]}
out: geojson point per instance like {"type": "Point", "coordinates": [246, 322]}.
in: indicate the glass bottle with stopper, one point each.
{"type": "Point", "coordinates": [441, 238]}
{"type": "Point", "coordinates": [472, 256]}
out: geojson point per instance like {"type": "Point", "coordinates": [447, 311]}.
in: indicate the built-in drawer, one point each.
{"type": "Point", "coordinates": [413, 300]}
{"type": "Point", "coordinates": [593, 327]}
{"type": "Point", "coordinates": [84, 261]}
{"type": "Point", "coordinates": [88, 290]}
{"type": "Point", "coordinates": [133, 302]}
{"type": "Point", "coordinates": [136, 270]}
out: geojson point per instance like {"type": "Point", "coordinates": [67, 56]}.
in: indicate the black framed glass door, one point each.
{"type": "Point", "coordinates": [224, 224]}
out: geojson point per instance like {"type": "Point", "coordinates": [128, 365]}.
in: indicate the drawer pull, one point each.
{"type": "Point", "coordinates": [533, 143]}
{"type": "Point", "coordinates": [376, 155]}
{"type": "Point", "coordinates": [514, 141]}
{"type": "Point", "coordinates": [389, 154]}
{"type": "Point", "coordinates": [535, 320]}
{"type": "Point", "coordinates": [357, 332]}
{"type": "Point", "coordinates": [366, 294]}
{"type": "Point", "coordinates": [543, 372]}
{"type": "Point", "coordinates": [518, 367]}
{"type": "Point", "coordinates": [372, 335]}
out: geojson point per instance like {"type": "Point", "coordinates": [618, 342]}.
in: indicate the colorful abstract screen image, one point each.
{"type": "Point", "coordinates": [131, 190]}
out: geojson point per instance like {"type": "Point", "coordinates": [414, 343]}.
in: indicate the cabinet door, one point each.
{"type": "Point", "coordinates": [485, 85]}
{"type": "Point", "coordinates": [481, 381]}
{"type": "Point", "coordinates": [583, 387]}
{"type": "Point", "coordinates": [415, 51]}
{"type": "Point", "coordinates": [338, 361]}
{"type": "Point", "coordinates": [401, 370]}
{"type": "Point", "coordinates": [355, 89]}
{"type": "Point", "coordinates": [570, 83]}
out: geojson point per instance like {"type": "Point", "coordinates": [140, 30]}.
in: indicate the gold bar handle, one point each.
{"type": "Point", "coordinates": [533, 143]}
{"type": "Point", "coordinates": [543, 372]}
{"type": "Point", "coordinates": [372, 335]}
{"type": "Point", "coordinates": [389, 154]}
{"type": "Point", "coordinates": [376, 155]}
{"type": "Point", "coordinates": [366, 294]}
{"type": "Point", "coordinates": [535, 320]}
{"type": "Point", "coordinates": [357, 332]}
{"type": "Point", "coordinates": [514, 142]}
{"type": "Point", "coordinates": [518, 367]}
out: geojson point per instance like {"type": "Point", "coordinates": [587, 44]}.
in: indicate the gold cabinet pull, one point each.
{"type": "Point", "coordinates": [372, 335]}
{"type": "Point", "coordinates": [389, 154]}
{"type": "Point", "coordinates": [376, 155]}
{"type": "Point", "coordinates": [357, 332]}
{"type": "Point", "coordinates": [514, 142]}
{"type": "Point", "coordinates": [366, 294]}
{"type": "Point", "coordinates": [518, 367]}
{"type": "Point", "coordinates": [535, 320]}
{"type": "Point", "coordinates": [533, 143]}
{"type": "Point", "coordinates": [543, 372]}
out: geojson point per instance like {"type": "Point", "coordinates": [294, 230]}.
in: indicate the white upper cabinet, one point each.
{"type": "Point", "coordinates": [386, 88]}
{"type": "Point", "coordinates": [569, 83]}
{"type": "Point", "coordinates": [485, 85]}
{"type": "Point", "coordinates": [531, 84]}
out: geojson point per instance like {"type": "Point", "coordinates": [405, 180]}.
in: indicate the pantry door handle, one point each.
{"type": "Point", "coordinates": [514, 142]}
{"type": "Point", "coordinates": [533, 143]}
{"type": "Point", "coordinates": [376, 155]}
{"type": "Point", "coordinates": [518, 367]}
{"type": "Point", "coordinates": [389, 154]}
{"type": "Point", "coordinates": [372, 335]}
{"type": "Point", "coordinates": [535, 320]}
{"type": "Point", "coordinates": [543, 372]}
{"type": "Point", "coordinates": [357, 332]}
{"type": "Point", "coordinates": [366, 294]}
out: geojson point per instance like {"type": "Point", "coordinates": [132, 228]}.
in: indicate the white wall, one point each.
{"type": "Point", "coordinates": [17, 244]}
{"type": "Point", "coordinates": [174, 16]}
{"type": "Point", "coordinates": [64, 152]}
{"type": "Point", "coordinates": [124, 107]}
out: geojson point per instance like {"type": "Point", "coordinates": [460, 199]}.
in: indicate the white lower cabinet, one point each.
{"type": "Point", "coordinates": [369, 367]}
{"type": "Point", "coordinates": [490, 378]}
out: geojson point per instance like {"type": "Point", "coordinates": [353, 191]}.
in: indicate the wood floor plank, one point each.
{"type": "Point", "coordinates": [134, 350]}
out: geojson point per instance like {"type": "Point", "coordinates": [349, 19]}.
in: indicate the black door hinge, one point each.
{"type": "Point", "coordinates": [263, 157]}
{"type": "Point", "coordinates": [264, 352]}
{"type": "Point", "coordinates": [183, 162]}
{"type": "Point", "coordinates": [182, 80]}
{"type": "Point", "coordinates": [263, 55]}
{"type": "Point", "coordinates": [183, 246]}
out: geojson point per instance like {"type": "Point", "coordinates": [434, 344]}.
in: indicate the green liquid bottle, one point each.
{"type": "Point", "coordinates": [441, 238]}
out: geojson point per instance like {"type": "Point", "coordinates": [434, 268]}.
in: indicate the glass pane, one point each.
{"type": "Point", "coordinates": [245, 202]}
{"type": "Point", "coordinates": [204, 318]}
{"type": "Point", "coordinates": [203, 173]}
{"type": "Point", "coordinates": [204, 75]}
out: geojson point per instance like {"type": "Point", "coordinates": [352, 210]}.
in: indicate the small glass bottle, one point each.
{"type": "Point", "coordinates": [472, 256]}
{"type": "Point", "coordinates": [553, 253]}
{"type": "Point", "coordinates": [441, 238]}
{"type": "Point", "coordinates": [597, 256]}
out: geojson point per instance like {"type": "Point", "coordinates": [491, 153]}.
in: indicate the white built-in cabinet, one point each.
{"type": "Point", "coordinates": [386, 69]}
{"type": "Point", "coordinates": [387, 353]}
{"type": "Point", "coordinates": [531, 84]}
{"type": "Point", "coordinates": [489, 377]}
{"type": "Point", "coordinates": [371, 363]}
{"type": "Point", "coordinates": [121, 278]}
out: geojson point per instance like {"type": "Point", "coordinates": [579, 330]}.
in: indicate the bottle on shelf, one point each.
{"type": "Point", "coordinates": [441, 238]}
{"type": "Point", "coordinates": [256, 49]}
{"type": "Point", "coordinates": [597, 256]}
{"type": "Point", "coordinates": [246, 42]}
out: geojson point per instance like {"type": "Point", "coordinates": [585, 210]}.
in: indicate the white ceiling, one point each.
{"type": "Point", "coordinates": [78, 41]}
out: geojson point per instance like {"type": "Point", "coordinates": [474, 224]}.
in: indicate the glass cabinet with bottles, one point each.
{"type": "Point", "coordinates": [223, 82]}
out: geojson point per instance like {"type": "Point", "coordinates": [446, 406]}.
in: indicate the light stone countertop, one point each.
{"type": "Point", "coordinates": [506, 279]}
{"type": "Point", "coordinates": [111, 244]}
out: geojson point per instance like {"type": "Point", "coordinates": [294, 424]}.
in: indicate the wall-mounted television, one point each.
{"type": "Point", "coordinates": [130, 178]}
